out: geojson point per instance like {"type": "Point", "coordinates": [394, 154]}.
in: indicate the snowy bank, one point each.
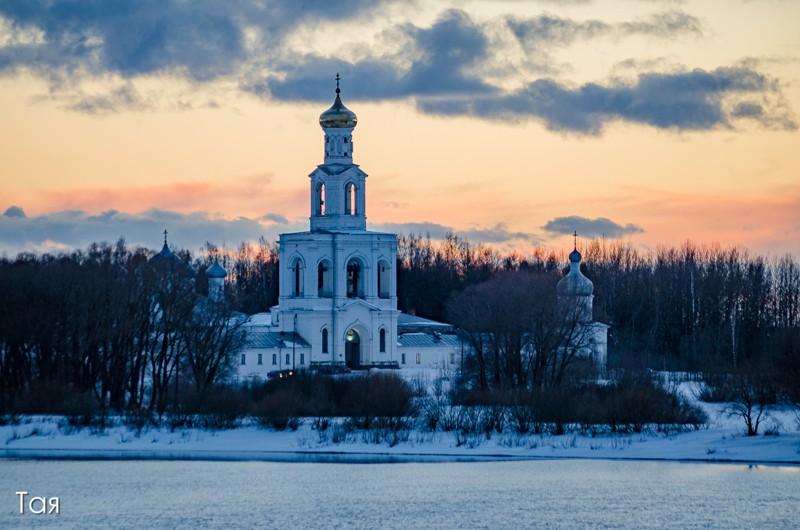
{"type": "Point", "coordinates": [722, 440]}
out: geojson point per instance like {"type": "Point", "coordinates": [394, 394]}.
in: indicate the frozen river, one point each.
{"type": "Point", "coordinates": [519, 494]}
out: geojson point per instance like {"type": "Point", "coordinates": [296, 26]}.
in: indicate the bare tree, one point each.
{"type": "Point", "coordinates": [211, 336]}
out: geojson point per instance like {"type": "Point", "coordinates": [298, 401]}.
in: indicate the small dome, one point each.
{"type": "Point", "coordinates": [575, 283]}
{"type": "Point", "coordinates": [216, 271]}
{"type": "Point", "coordinates": [165, 256]}
{"type": "Point", "coordinates": [338, 116]}
{"type": "Point", "coordinates": [166, 260]}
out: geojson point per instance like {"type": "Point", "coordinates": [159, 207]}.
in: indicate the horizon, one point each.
{"type": "Point", "coordinates": [646, 123]}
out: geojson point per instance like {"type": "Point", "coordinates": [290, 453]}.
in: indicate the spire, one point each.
{"type": "Point", "coordinates": [575, 244]}
{"type": "Point", "coordinates": [165, 237]}
{"type": "Point", "coordinates": [337, 84]}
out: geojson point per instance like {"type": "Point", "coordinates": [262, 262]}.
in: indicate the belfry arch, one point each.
{"type": "Point", "coordinates": [297, 271]}
{"type": "Point", "coordinates": [325, 279]}
{"type": "Point", "coordinates": [350, 199]}
{"type": "Point", "coordinates": [319, 199]}
{"type": "Point", "coordinates": [356, 273]}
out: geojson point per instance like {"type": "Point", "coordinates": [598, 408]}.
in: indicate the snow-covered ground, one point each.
{"type": "Point", "coordinates": [721, 440]}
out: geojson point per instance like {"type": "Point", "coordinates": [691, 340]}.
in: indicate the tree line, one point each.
{"type": "Point", "coordinates": [690, 307]}
{"type": "Point", "coordinates": [105, 324]}
{"type": "Point", "coordinates": [108, 327]}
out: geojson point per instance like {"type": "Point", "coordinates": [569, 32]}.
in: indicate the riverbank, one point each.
{"type": "Point", "coordinates": [721, 440]}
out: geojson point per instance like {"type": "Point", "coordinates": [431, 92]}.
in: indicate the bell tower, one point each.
{"type": "Point", "coordinates": [337, 185]}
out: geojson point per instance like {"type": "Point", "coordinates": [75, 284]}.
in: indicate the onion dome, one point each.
{"type": "Point", "coordinates": [216, 271]}
{"type": "Point", "coordinates": [338, 116]}
{"type": "Point", "coordinates": [166, 256]}
{"type": "Point", "coordinates": [166, 260]}
{"type": "Point", "coordinates": [575, 283]}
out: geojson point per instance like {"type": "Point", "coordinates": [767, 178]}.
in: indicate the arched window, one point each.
{"type": "Point", "coordinates": [383, 279]}
{"type": "Point", "coordinates": [297, 278]}
{"type": "Point", "coordinates": [324, 280]}
{"type": "Point", "coordinates": [319, 199]}
{"type": "Point", "coordinates": [382, 340]}
{"type": "Point", "coordinates": [325, 340]}
{"type": "Point", "coordinates": [355, 281]}
{"type": "Point", "coordinates": [350, 199]}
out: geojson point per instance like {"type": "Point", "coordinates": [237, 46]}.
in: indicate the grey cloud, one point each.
{"type": "Point", "coordinates": [693, 100]}
{"type": "Point", "coordinates": [540, 35]}
{"type": "Point", "coordinates": [439, 65]}
{"type": "Point", "coordinates": [424, 229]}
{"type": "Point", "coordinates": [496, 234]}
{"type": "Point", "coordinates": [275, 218]}
{"type": "Point", "coordinates": [599, 227]}
{"type": "Point", "coordinates": [439, 80]}
{"type": "Point", "coordinates": [203, 39]}
{"type": "Point", "coordinates": [117, 99]}
{"type": "Point", "coordinates": [14, 211]}
{"type": "Point", "coordinates": [548, 29]}
{"type": "Point", "coordinates": [76, 229]}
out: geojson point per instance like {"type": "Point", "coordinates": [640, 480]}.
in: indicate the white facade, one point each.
{"type": "Point", "coordinates": [575, 293]}
{"type": "Point", "coordinates": [338, 284]}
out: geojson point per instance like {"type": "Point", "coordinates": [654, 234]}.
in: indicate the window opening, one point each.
{"type": "Point", "coordinates": [354, 287]}
{"type": "Point", "coordinates": [297, 279]}
{"type": "Point", "coordinates": [324, 280]}
{"type": "Point", "coordinates": [383, 280]}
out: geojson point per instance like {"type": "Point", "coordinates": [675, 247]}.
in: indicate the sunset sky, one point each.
{"type": "Point", "coordinates": [512, 123]}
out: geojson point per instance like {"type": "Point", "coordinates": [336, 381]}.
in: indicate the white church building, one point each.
{"type": "Point", "coordinates": [575, 292]}
{"type": "Point", "coordinates": [337, 304]}
{"type": "Point", "coordinates": [337, 301]}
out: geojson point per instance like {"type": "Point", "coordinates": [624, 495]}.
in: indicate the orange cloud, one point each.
{"type": "Point", "coordinates": [247, 196]}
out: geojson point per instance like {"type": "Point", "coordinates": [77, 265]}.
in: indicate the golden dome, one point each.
{"type": "Point", "coordinates": [338, 116]}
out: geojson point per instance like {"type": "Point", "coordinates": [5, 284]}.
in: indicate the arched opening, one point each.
{"type": "Point", "coordinates": [383, 279]}
{"type": "Point", "coordinates": [297, 277]}
{"type": "Point", "coordinates": [325, 340]}
{"type": "Point", "coordinates": [350, 199]}
{"type": "Point", "coordinates": [355, 280]}
{"type": "Point", "coordinates": [324, 279]}
{"type": "Point", "coordinates": [352, 349]}
{"type": "Point", "coordinates": [319, 199]}
{"type": "Point", "coordinates": [382, 341]}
